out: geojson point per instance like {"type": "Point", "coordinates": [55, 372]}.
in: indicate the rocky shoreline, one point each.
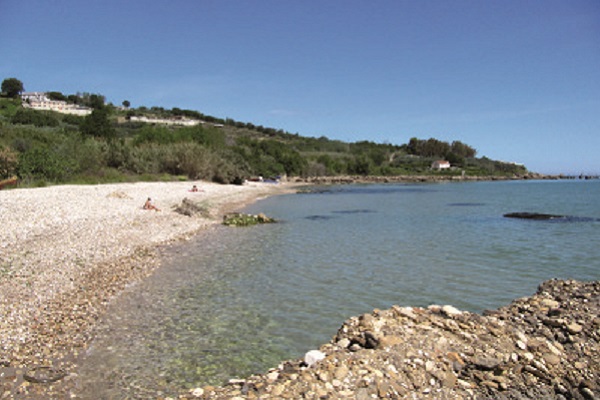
{"type": "Point", "coordinates": [541, 347]}
{"type": "Point", "coordinates": [432, 178]}
{"type": "Point", "coordinates": [66, 251]}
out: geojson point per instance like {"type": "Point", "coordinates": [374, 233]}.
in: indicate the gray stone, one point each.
{"type": "Point", "coordinates": [486, 364]}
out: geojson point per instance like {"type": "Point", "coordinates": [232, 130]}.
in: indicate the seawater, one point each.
{"type": "Point", "coordinates": [237, 301]}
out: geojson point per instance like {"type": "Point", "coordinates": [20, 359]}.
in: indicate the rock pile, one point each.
{"type": "Point", "coordinates": [239, 219]}
{"type": "Point", "coordinates": [542, 347]}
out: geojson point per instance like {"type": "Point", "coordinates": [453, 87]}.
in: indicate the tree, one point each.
{"type": "Point", "coordinates": [97, 124]}
{"type": "Point", "coordinates": [126, 103]}
{"type": "Point", "coordinates": [96, 101]}
{"type": "Point", "coordinates": [12, 87]}
{"type": "Point", "coordinates": [462, 150]}
{"type": "Point", "coordinates": [56, 96]}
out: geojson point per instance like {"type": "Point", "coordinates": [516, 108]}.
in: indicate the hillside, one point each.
{"type": "Point", "coordinates": [115, 144]}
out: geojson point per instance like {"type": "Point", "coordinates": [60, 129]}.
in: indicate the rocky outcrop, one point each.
{"type": "Point", "coordinates": [191, 208]}
{"type": "Point", "coordinates": [535, 216]}
{"type": "Point", "coordinates": [239, 219]}
{"type": "Point", "coordinates": [548, 217]}
{"type": "Point", "coordinates": [541, 347]}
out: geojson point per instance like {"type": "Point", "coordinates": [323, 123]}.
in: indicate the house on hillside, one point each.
{"type": "Point", "coordinates": [166, 121]}
{"type": "Point", "coordinates": [440, 164]}
{"type": "Point", "coordinates": [40, 101]}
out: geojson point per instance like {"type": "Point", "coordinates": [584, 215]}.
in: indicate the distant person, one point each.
{"type": "Point", "coordinates": [194, 189]}
{"type": "Point", "coordinates": [149, 206]}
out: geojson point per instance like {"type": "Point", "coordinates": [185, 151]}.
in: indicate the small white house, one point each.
{"type": "Point", "coordinates": [440, 164]}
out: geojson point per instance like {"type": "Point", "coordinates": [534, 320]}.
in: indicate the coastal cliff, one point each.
{"type": "Point", "coordinates": [540, 347]}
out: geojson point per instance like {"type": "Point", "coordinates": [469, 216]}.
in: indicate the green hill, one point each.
{"type": "Point", "coordinates": [120, 144]}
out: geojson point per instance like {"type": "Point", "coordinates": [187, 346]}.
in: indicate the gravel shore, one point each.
{"type": "Point", "coordinates": [65, 251]}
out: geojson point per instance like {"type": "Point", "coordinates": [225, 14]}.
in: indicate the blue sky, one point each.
{"type": "Point", "coordinates": [519, 80]}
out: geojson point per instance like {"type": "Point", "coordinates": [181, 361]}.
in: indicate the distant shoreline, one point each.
{"type": "Point", "coordinates": [347, 179]}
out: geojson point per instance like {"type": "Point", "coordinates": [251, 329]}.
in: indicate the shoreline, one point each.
{"type": "Point", "coordinates": [349, 179]}
{"type": "Point", "coordinates": [66, 251]}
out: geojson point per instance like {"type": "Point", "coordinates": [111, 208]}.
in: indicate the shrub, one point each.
{"type": "Point", "coordinates": [9, 159]}
{"type": "Point", "coordinates": [26, 116]}
{"type": "Point", "coordinates": [41, 163]}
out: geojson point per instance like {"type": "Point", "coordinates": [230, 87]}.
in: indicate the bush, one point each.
{"type": "Point", "coordinates": [41, 163]}
{"type": "Point", "coordinates": [26, 116]}
{"type": "Point", "coordinates": [97, 124]}
{"type": "Point", "coordinates": [9, 160]}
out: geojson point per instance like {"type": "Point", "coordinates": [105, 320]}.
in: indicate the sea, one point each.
{"type": "Point", "coordinates": [232, 302]}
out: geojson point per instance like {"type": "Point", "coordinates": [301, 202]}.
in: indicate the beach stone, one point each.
{"type": "Point", "coordinates": [344, 343]}
{"type": "Point", "coordinates": [313, 356]}
{"type": "Point", "coordinates": [486, 364]}
{"type": "Point", "coordinates": [272, 376]}
{"type": "Point", "coordinates": [551, 358]}
{"type": "Point", "coordinates": [451, 311]}
{"type": "Point", "coordinates": [550, 303]}
{"type": "Point", "coordinates": [588, 393]}
{"type": "Point", "coordinates": [341, 372]}
{"type": "Point", "coordinates": [574, 328]}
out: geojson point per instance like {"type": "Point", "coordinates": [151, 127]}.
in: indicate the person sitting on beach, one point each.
{"type": "Point", "coordinates": [149, 206]}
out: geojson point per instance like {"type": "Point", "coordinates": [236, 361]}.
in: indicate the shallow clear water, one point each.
{"type": "Point", "coordinates": [235, 301]}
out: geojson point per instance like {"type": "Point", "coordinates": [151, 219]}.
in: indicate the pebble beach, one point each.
{"type": "Point", "coordinates": [66, 251]}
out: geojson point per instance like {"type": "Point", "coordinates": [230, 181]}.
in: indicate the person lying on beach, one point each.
{"type": "Point", "coordinates": [149, 206]}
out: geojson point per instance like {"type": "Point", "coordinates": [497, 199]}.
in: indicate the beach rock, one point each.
{"type": "Point", "coordinates": [411, 352]}
{"type": "Point", "coordinates": [239, 219]}
{"type": "Point", "coordinates": [313, 356]}
{"type": "Point", "coordinates": [451, 311]}
{"type": "Point", "coordinates": [190, 208]}
{"type": "Point", "coordinates": [574, 328]}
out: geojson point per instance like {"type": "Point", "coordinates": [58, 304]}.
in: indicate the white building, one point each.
{"type": "Point", "coordinates": [164, 121]}
{"type": "Point", "coordinates": [440, 164]}
{"type": "Point", "coordinates": [40, 101]}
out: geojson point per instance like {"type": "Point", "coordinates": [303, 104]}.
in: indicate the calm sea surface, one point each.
{"type": "Point", "coordinates": [236, 301]}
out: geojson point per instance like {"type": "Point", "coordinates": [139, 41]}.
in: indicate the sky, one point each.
{"type": "Point", "coordinates": [518, 80]}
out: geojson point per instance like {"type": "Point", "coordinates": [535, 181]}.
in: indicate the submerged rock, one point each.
{"type": "Point", "coordinates": [530, 215]}
{"type": "Point", "coordinates": [549, 217]}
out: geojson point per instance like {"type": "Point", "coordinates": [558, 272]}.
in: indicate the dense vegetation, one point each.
{"type": "Point", "coordinates": [42, 147]}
